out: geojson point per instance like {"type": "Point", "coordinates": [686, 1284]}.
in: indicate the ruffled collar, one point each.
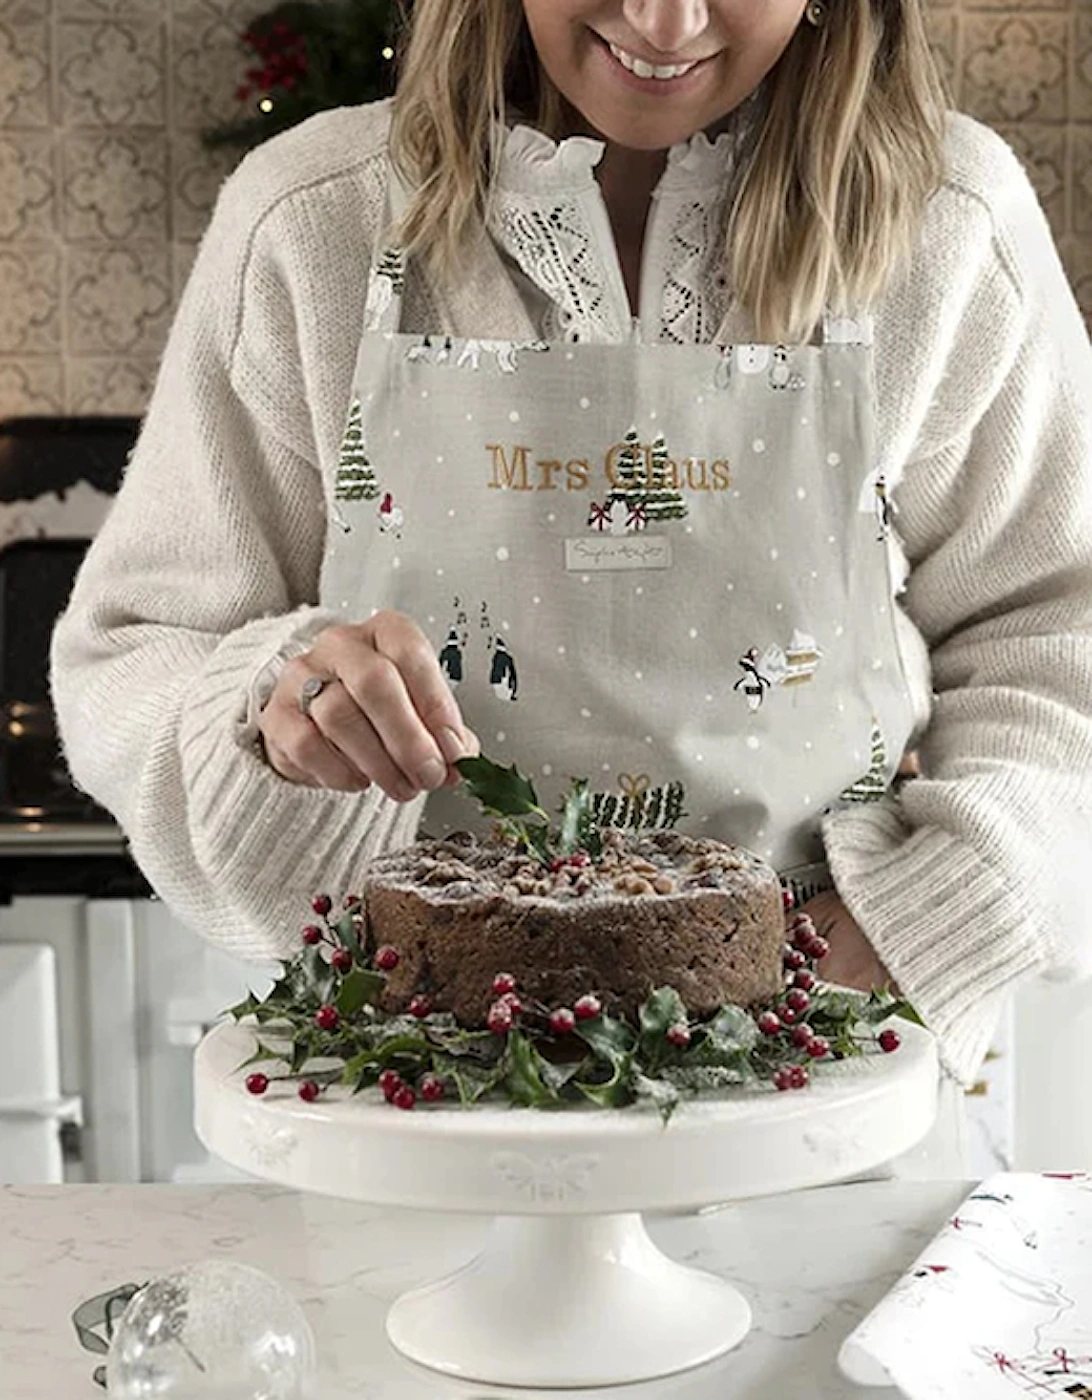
{"type": "Point", "coordinates": [533, 163]}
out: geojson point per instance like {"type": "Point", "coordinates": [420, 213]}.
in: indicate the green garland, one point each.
{"type": "Point", "coordinates": [306, 56]}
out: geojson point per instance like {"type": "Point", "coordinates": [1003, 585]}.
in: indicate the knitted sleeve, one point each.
{"type": "Point", "coordinates": [975, 878]}
{"type": "Point", "coordinates": [207, 567]}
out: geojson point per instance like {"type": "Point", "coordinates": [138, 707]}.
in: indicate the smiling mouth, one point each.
{"type": "Point", "coordinates": [640, 68]}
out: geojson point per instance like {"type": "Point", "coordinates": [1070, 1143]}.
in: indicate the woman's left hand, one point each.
{"type": "Point", "coordinates": [852, 961]}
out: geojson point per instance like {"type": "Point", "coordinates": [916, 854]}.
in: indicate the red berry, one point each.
{"type": "Point", "coordinates": [562, 1021]}
{"type": "Point", "coordinates": [580, 859]}
{"type": "Point", "coordinates": [805, 979]}
{"type": "Point", "coordinates": [889, 1040]}
{"type": "Point", "coordinates": [794, 958]}
{"type": "Point", "coordinates": [500, 1018]}
{"type": "Point", "coordinates": [558, 863]}
{"type": "Point", "coordinates": [788, 900]}
{"type": "Point", "coordinates": [818, 948]}
{"type": "Point", "coordinates": [312, 934]}
{"type": "Point", "coordinates": [389, 1081]}
{"type": "Point", "coordinates": [587, 1007]}
{"type": "Point", "coordinates": [419, 1005]}
{"type": "Point", "coordinates": [431, 1087]}
{"type": "Point", "coordinates": [350, 900]}
{"type": "Point", "coordinates": [769, 1023]}
{"type": "Point", "coordinates": [802, 921]}
{"type": "Point", "coordinates": [512, 1002]}
{"type": "Point", "coordinates": [798, 1077]}
{"type": "Point", "coordinates": [678, 1035]}
{"type": "Point", "coordinates": [798, 999]}
{"type": "Point", "coordinates": [342, 960]}
{"type": "Point", "coordinates": [387, 958]}
{"type": "Point", "coordinates": [802, 1036]}
{"type": "Point", "coordinates": [322, 904]}
{"type": "Point", "coordinates": [403, 1097]}
{"type": "Point", "coordinates": [503, 983]}
{"type": "Point", "coordinates": [787, 1015]}
{"type": "Point", "coordinates": [309, 1091]}
{"type": "Point", "coordinates": [782, 1080]}
{"type": "Point", "coordinates": [326, 1018]}
{"type": "Point", "coordinates": [257, 1083]}
{"type": "Point", "coordinates": [818, 1047]}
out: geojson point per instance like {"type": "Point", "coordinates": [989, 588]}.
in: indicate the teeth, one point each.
{"type": "Point", "coordinates": [649, 70]}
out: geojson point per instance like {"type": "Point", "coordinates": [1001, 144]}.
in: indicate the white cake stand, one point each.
{"type": "Point", "coordinates": [570, 1291]}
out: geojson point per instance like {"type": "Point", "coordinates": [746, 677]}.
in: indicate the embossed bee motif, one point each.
{"type": "Point", "coordinates": [547, 1179]}
{"type": "Point", "coordinates": [268, 1146]}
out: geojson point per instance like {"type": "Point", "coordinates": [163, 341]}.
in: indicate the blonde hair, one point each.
{"type": "Point", "coordinates": [848, 148]}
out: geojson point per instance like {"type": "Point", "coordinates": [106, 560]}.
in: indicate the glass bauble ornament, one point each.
{"type": "Point", "coordinates": [215, 1330]}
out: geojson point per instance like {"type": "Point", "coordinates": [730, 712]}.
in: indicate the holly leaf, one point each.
{"type": "Point", "coordinates": [659, 1092]}
{"type": "Point", "coordinates": [358, 989]}
{"type": "Point", "coordinates": [345, 928]}
{"type": "Point", "coordinates": [615, 1091]}
{"type": "Point", "coordinates": [526, 1074]}
{"type": "Point", "coordinates": [578, 828]}
{"type": "Point", "coordinates": [661, 1010]}
{"type": "Point", "coordinates": [502, 792]}
{"type": "Point", "coordinates": [733, 1026]}
{"type": "Point", "coordinates": [243, 1008]}
{"type": "Point", "coordinates": [609, 1039]}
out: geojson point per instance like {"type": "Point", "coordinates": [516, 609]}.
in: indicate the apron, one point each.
{"type": "Point", "coordinates": [663, 569]}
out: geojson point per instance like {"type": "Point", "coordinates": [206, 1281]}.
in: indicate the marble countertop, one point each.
{"type": "Point", "coordinates": [811, 1264]}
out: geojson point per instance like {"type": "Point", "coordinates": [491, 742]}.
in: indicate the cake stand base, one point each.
{"type": "Point", "coordinates": [569, 1302]}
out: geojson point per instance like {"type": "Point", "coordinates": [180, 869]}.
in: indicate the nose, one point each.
{"type": "Point", "coordinates": [667, 25]}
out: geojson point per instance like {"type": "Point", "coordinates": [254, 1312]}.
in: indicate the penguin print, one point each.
{"type": "Point", "coordinates": [753, 684]}
{"type": "Point", "coordinates": [450, 658]}
{"type": "Point", "coordinates": [884, 508]}
{"type": "Point", "coordinates": [779, 369]}
{"type": "Point", "coordinates": [502, 671]}
{"type": "Point", "coordinates": [390, 516]}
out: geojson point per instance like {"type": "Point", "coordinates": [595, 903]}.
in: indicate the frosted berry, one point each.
{"type": "Point", "coordinates": [580, 859]}
{"type": "Point", "coordinates": [322, 904]}
{"type": "Point", "coordinates": [769, 1023]}
{"type": "Point", "coordinates": [503, 983]}
{"type": "Point", "coordinates": [326, 1018]}
{"type": "Point", "coordinates": [798, 999]}
{"type": "Point", "coordinates": [802, 1035]}
{"type": "Point", "coordinates": [387, 958]}
{"type": "Point", "coordinates": [798, 1077]}
{"type": "Point", "coordinates": [558, 863]}
{"type": "Point", "coordinates": [805, 979]}
{"type": "Point", "coordinates": [794, 958]}
{"type": "Point", "coordinates": [512, 1002]}
{"type": "Point", "coordinates": [817, 1047]}
{"type": "Point", "coordinates": [342, 960]}
{"type": "Point", "coordinates": [678, 1035]}
{"type": "Point", "coordinates": [431, 1087]}
{"type": "Point", "coordinates": [787, 1015]}
{"type": "Point", "coordinates": [419, 1005]}
{"type": "Point", "coordinates": [788, 900]}
{"type": "Point", "coordinates": [312, 934]}
{"type": "Point", "coordinates": [500, 1018]}
{"type": "Point", "coordinates": [818, 948]}
{"type": "Point", "coordinates": [350, 900]}
{"type": "Point", "coordinates": [562, 1021]}
{"type": "Point", "coordinates": [889, 1040]}
{"type": "Point", "coordinates": [309, 1091]}
{"type": "Point", "coordinates": [257, 1083]}
{"type": "Point", "coordinates": [782, 1079]}
{"type": "Point", "coordinates": [389, 1081]}
{"type": "Point", "coordinates": [403, 1097]}
{"type": "Point", "coordinates": [587, 1007]}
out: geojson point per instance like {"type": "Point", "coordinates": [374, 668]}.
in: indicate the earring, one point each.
{"type": "Point", "coordinates": [816, 13]}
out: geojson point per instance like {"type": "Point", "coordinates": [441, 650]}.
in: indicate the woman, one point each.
{"type": "Point", "coordinates": [695, 334]}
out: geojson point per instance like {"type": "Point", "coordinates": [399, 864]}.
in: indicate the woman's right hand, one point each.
{"type": "Point", "coordinates": [383, 714]}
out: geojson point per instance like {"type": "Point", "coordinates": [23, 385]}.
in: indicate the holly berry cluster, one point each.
{"type": "Point", "coordinates": [323, 1022]}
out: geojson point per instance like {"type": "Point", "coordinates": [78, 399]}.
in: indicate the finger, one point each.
{"type": "Point", "coordinates": [301, 748]}
{"type": "Point", "coordinates": [402, 641]}
{"type": "Point", "coordinates": [279, 761]}
{"type": "Point", "coordinates": [350, 734]}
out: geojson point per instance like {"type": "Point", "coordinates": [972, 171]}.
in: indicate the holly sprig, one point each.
{"type": "Point", "coordinates": [509, 797]}
{"type": "Point", "coordinates": [323, 1024]}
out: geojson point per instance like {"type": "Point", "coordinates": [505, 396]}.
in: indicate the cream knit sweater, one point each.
{"type": "Point", "coordinates": [209, 565]}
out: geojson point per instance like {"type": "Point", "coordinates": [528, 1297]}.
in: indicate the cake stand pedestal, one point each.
{"type": "Point", "coordinates": [569, 1291]}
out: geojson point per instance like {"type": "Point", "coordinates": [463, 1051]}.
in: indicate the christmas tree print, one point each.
{"type": "Point", "coordinates": [638, 806]}
{"type": "Point", "coordinates": [873, 785]}
{"type": "Point", "coordinates": [355, 480]}
{"type": "Point", "coordinates": [647, 496]}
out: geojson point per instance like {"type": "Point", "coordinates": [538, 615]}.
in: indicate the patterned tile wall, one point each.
{"type": "Point", "coordinates": [105, 188]}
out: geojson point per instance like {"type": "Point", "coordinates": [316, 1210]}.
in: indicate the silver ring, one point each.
{"type": "Point", "coordinates": [310, 691]}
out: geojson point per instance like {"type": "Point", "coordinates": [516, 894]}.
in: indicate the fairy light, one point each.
{"type": "Point", "coordinates": [266, 104]}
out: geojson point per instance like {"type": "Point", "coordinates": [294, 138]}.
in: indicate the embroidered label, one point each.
{"type": "Point", "coordinates": [604, 552]}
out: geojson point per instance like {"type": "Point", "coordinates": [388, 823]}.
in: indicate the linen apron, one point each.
{"type": "Point", "coordinates": [663, 569]}
{"type": "Point", "coordinates": [667, 570]}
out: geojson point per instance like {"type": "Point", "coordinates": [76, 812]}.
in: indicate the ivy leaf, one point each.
{"type": "Point", "coordinates": [503, 792]}
{"type": "Point", "coordinates": [359, 989]}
